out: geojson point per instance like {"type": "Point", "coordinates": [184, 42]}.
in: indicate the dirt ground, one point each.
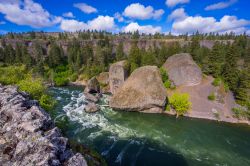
{"type": "Point", "coordinates": [206, 109]}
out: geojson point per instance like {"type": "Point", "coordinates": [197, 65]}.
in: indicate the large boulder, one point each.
{"type": "Point", "coordinates": [93, 86]}
{"type": "Point", "coordinates": [182, 70]}
{"type": "Point", "coordinates": [117, 75]}
{"type": "Point", "coordinates": [142, 91]}
{"type": "Point", "coordinates": [103, 79]}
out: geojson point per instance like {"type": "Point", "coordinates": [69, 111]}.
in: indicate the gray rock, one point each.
{"type": "Point", "coordinates": [91, 98]}
{"type": "Point", "coordinates": [142, 91]}
{"type": "Point", "coordinates": [91, 107]}
{"type": "Point", "coordinates": [93, 86]}
{"type": "Point", "coordinates": [117, 75]}
{"type": "Point", "coordinates": [28, 134]}
{"type": "Point", "coordinates": [76, 160]}
{"type": "Point", "coordinates": [182, 70]}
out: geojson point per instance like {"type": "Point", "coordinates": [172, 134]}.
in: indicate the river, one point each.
{"type": "Point", "coordinates": [134, 139]}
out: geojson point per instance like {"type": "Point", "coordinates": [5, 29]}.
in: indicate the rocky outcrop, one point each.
{"type": "Point", "coordinates": [93, 86]}
{"type": "Point", "coordinates": [28, 135]}
{"type": "Point", "coordinates": [182, 70]}
{"type": "Point", "coordinates": [91, 107]}
{"type": "Point", "coordinates": [117, 75]}
{"type": "Point", "coordinates": [142, 91]}
{"type": "Point", "coordinates": [103, 79]}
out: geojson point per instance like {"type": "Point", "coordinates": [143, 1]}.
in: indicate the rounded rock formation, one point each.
{"type": "Point", "coordinates": [182, 70]}
{"type": "Point", "coordinates": [142, 91]}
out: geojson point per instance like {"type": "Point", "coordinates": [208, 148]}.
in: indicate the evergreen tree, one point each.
{"type": "Point", "coordinates": [120, 55]}
{"type": "Point", "coordinates": [134, 57]}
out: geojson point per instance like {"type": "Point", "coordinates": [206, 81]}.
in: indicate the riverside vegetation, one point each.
{"type": "Point", "coordinates": [46, 60]}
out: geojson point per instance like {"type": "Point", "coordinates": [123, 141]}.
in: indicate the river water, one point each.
{"type": "Point", "coordinates": [134, 139]}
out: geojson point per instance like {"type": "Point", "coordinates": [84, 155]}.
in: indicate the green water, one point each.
{"type": "Point", "coordinates": [124, 138]}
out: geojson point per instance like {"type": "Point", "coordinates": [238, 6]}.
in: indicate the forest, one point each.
{"type": "Point", "coordinates": [228, 61]}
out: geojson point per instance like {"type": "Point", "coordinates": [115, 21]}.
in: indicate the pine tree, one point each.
{"type": "Point", "coordinates": [230, 71]}
{"type": "Point", "coordinates": [120, 55]}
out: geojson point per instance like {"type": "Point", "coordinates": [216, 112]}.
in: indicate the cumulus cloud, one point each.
{"type": "Point", "coordinates": [148, 29]}
{"type": "Point", "coordinates": [100, 23]}
{"type": "Point", "coordinates": [139, 11]}
{"type": "Point", "coordinates": [28, 13]}
{"type": "Point", "coordinates": [172, 3]}
{"type": "Point", "coordinates": [68, 14]}
{"type": "Point", "coordinates": [191, 24]}
{"type": "Point", "coordinates": [220, 5]}
{"type": "Point", "coordinates": [85, 8]}
{"type": "Point", "coordinates": [177, 14]}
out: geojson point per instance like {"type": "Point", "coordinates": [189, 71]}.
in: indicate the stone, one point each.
{"type": "Point", "coordinates": [76, 160]}
{"type": "Point", "coordinates": [91, 98]}
{"type": "Point", "coordinates": [93, 86]}
{"type": "Point", "coordinates": [182, 70]}
{"type": "Point", "coordinates": [103, 79]}
{"type": "Point", "coordinates": [91, 108]}
{"type": "Point", "coordinates": [117, 75]}
{"type": "Point", "coordinates": [28, 134]}
{"type": "Point", "coordinates": [142, 91]}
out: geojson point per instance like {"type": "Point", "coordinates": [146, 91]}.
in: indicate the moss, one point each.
{"type": "Point", "coordinates": [211, 96]}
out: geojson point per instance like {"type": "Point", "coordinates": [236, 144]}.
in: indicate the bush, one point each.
{"type": "Point", "coordinates": [180, 103]}
{"type": "Point", "coordinates": [32, 86]}
{"type": "Point", "coordinates": [12, 74]}
{"type": "Point", "coordinates": [61, 81]}
{"type": "Point", "coordinates": [241, 113]}
{"type": "Point", "coordinates": [164, 74]}
{"type": "Point", "coordinates": [211, 96]}
{"type": "Point", "coordinates": [217, 82]}
{"type": "Point", "coordinates": [47, 102]}
{"type": "Point", "coordinates": [167, 84]}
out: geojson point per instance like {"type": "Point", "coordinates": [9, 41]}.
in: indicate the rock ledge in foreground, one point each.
{"type": "Point", "coordinates": [28, 135]}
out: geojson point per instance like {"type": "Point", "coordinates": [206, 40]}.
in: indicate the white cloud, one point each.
{"type": "Point", "coordinates": [28, 13]}
{"type": "Point", "coordinates": [138, 11]}
{"type": "Point", "coordinates": [172, 3]}
{"type": "Point", "coordinates": [148, 29]}
{"type": "Point", "coordinates": [119, 17]}
{"type": "Point", "coordinates": [191, 24]}
{"type": "Point", "coordinates": [85, 8]}
{"type": "Point", "coordinates": [177, 14]}
{"type": "Point", "coordinates": [69, 15]}
{"type": "Point", "coordinates": [100, 23]}
{"type": "Point", "coordinates": [220, 5]}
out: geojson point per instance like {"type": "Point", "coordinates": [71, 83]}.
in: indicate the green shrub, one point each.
{"type": "Point", "coordinates": [61, 81]}
{"type": "Point", "coordinates": [241, 113]}
{"type": "Point", "coordinates": [211, 96]}
{"type": "Point", "coordinates": [217, 82]}
{"type": "Point", "coordinates": [180, 103]}
{"type": "Point", "coordinates": [164, 74]}
{"type": "Point", "coordinates": [33, 86]}
{"type": "Point", "coordinates": [12, 74]}
{"type": "Point", "coordinates": [73, 77]}
{"type": "Point", "coordinates": [167, 84]}
{"type": "Point", "coordinates": [47, 102]}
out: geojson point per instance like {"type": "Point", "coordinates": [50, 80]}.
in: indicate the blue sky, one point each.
{"type": "Point", "coordinates": [177, 16]}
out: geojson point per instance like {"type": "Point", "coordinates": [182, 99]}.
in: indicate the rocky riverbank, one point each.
{"type": "Point", "coordinates": [28, 136]}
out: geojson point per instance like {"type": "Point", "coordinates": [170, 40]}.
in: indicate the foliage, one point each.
{"type": "Point", "coordinates": [180, 103]}
{"type": "Point", "coordinates": [33, 86]}
{"type": "Point", "coordinates": [164, 74]}
{"type": "Point", "coordinates": [12, 74]}
{"type": "Point", "coordinates": [241, 113]}
{"type": "Point", "coordinates": [167, 84]}
{"type": "Point", "coordinates": [47, 102]}
{"type": "Point", "coordinates": [211, 96]}
{"type": "Point", "coordinates": [217, 82]}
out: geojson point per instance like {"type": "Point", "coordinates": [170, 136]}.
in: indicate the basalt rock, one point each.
{"type": "Point", "coordinates": [182, 70]}
{"type": "Point", "coordinates": [28, 135]}
{"type": "Point", "coordinates": [103, 79]}
{"type": "Point", "coordinates": [142, 91]}
{"type": "Point", "coordinates": [118, 73]}
{"type": "Point", "coordinates": [93, 86]}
